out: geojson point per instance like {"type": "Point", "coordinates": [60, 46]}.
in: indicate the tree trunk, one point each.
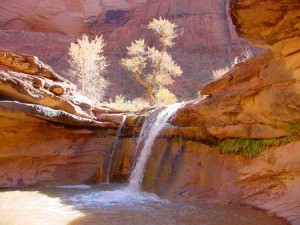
{"type": "Point", "coordinates": [150, 96]}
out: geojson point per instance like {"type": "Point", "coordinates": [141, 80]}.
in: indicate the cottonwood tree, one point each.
{"type": "Point", "coordinates": [88, 64]}
{"type": "Point", "coordinates": [159, 62]}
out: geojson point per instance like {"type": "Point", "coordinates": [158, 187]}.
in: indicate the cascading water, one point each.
{"type": "Point", "coordinates": [115, 146]}
{"type": "Point", "coordinates": [147, 136]}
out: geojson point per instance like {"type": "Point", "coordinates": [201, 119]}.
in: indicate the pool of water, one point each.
{"type": "Point", "coordinates": [107, 204]}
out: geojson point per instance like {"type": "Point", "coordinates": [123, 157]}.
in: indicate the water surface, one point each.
{"type": "Point", "coordinates": [107, 204]}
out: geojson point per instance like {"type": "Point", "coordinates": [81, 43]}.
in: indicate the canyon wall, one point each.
{"type": "Point", "coordinates": [50, 133]}
{"type": "Point", "coordinates": [252, 110]}
{"type": "Point", "coordinates": [35, 152]}
{"type": "Point", "coordinates": [194, 171]}
{"type": "Point", "coordinates": [46, 28]}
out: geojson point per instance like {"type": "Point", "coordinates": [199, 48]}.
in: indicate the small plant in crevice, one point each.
{"type": "Point", "coordinates": [201, 96]}
{"type": "Point", "coordinates": [246, 55]}
{"type": "Point", "coordinates": [246, 147]}
{"type": "Point", "coordinates": [216, 74]}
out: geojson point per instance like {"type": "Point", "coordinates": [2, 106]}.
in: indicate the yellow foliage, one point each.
{"type": "Point", "coordinates": [162, 68]}
{"type": "Point", "coordinates": [121, 103]}
{"type": "Point", "coordinates": [137, 48]}
{"type": "Point", "coordinates": [88, 65]}
{"type": "Point", "coordinates": [164, 97]}
{"type": "Point", "coordinates": [166, 30]}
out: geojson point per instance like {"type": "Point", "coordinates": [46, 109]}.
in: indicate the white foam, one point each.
{"type": "Point", "coordinates": [121, 197]}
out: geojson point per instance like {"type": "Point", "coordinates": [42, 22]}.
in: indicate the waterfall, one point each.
{"type": "Point", "coordinates": [150, 130]}
{"type": "Point", "coordinates": [115, 147]}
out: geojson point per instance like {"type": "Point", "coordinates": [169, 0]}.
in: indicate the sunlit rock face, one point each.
{"type": "Point", "coordinates": [50, 132]}
{"type": "Point", "coordinates": [194, 171]}
{"type": "Point", "coordinates": [46, 28]}
{"type": "Point", "coordinates": [37, 152]}
{"type": "Point", "coordinates": [259, 99]}
{"type": "Point", "coordinates": [260, 96]}
{"type": "Point", "coordinates": [278, 21]}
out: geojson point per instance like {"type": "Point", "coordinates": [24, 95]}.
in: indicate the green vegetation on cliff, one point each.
{"type": "Point", "coordinates": [253, 147]}
{"type": "Point", "coordinates": [250, 147]}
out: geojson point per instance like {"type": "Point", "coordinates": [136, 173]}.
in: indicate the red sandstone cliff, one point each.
{"type": "Point", "coordinates": [50, 133]}
{"type": "Point", "coordinates": [259, 100]}
{"type": "Point", "coordinates": [46, 28]}
{"type": "Point", "coordinates": [45, 142]}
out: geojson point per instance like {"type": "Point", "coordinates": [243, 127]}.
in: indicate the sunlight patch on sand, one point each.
{"type": "Point", "coordinates": [34, 208]}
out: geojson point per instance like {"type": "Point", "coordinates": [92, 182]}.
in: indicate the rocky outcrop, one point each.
{"type": "Point", "coordinates": [255, 104]}
{"type": "Point", "coordinates": [36, 152]}
{"type": "Point", "coordinates": [259, 98]}
{"type": "Point", "coordinates": [50, 133]}
{"type": "Point", "coordinates": [46, 30]}
{"type": "Point", "coordinates": [193, 171]}
{"type": "Point", "coordinates": [24, 78]}
{"type": "Point", "coordinates": [278, 21]}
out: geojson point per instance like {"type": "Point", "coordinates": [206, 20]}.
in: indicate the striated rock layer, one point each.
{"type": "Point", "coordinates": [193, 171]}
{"type": "Point", "coordinates": [50, 133]}
{"type": "Point", "coordinates": [45, 29]}
{"type": "Point", "coordinates": [259, 98]}
{"type": "Point", "coordinates": [35, 152]}
{"type": "Point", "coordinates": [258, 101]}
